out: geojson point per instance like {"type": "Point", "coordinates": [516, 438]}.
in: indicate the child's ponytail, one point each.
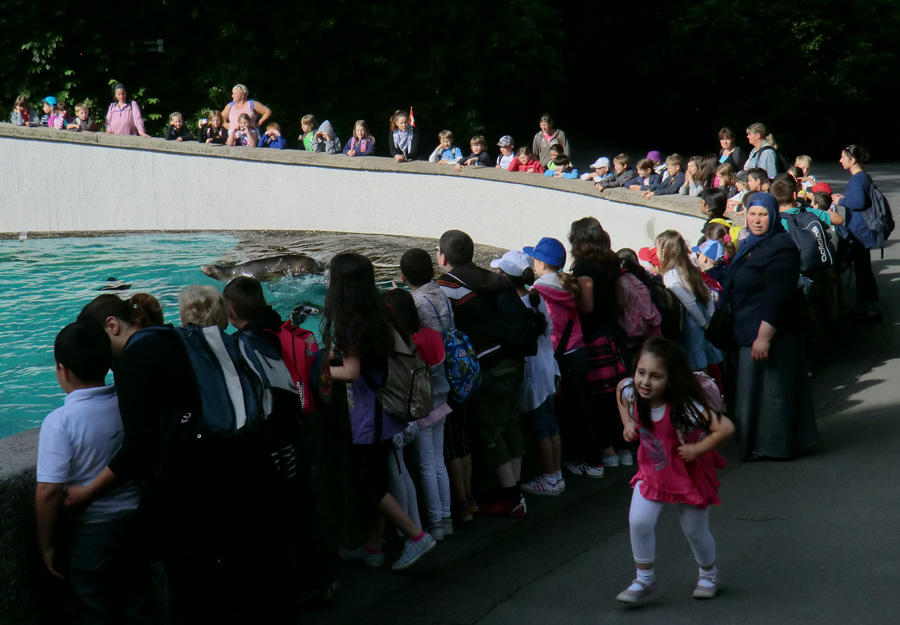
{"type": "Point", "coordinates": [571, 284]}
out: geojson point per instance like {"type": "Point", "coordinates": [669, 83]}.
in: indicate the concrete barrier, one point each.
{"type": "Point", "coordinates": [56, 181]}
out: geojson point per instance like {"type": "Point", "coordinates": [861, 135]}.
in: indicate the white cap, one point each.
{"type": "Point", "coordinates": [601, 162]}
{"type": "Point", "coordinates": [512, 263]}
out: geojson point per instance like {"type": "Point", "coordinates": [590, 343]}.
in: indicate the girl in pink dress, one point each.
{"type": "Point", "coordinates": [665, 407]}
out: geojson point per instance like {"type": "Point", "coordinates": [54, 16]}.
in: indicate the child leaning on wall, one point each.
{"type": "Point", "coordinates": [105, 565]}
{"type": "Point", "coordinates": [83, 121]}
{"type": "Point", "coordinates": [23, 114]}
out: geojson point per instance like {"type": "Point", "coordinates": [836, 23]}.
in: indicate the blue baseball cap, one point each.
{"type": "Point", "coordinates": [548, 251]}
{"type": "Point", "coordinates": [712, 249]}
{"type": "Point", "coordinates": [50, 100]}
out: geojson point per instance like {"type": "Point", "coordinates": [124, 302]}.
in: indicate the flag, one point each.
{"type": "Point", "coordinates": [412, 117]}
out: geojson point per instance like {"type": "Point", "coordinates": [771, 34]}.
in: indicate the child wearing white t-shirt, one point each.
{"type": "Point", "coordinates": [105, 565]}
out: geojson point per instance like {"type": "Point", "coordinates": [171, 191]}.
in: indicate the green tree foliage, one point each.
{"type": "Point", "coordinates": [816, 71]}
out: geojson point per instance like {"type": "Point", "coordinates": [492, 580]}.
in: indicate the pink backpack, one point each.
{"type": "Point", "coordinates": [712, 391]}
{"type": "Point", "coordinates": [639, 318]}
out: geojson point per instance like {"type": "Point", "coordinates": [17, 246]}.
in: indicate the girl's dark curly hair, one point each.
{"type": "Point", "coordinates": [682, 391]}
{"type": "Point", "coordinates": [591, 242]}
{"type": "Point", "coordinates": [355, 321]}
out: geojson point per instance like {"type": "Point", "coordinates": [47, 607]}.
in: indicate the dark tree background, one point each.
{"type": "Point", "coordinates": [818, 73]}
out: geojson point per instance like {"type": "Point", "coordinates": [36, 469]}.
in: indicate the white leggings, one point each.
{"type": "Point", "coordinates": [694, 523]}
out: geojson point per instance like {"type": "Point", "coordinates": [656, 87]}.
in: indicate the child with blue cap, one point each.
{"type": "Point", "coordinates": [562, 292]}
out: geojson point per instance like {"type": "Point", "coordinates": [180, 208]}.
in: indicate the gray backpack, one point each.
{"type": "Point", "coordinates": [407, 392]}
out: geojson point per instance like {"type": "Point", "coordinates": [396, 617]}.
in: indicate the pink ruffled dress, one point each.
{"type": "Point", "coordinates": [669, 479]}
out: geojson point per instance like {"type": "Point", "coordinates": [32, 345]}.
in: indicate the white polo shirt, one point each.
{"type": "Point", "coordinates": [77, 442]}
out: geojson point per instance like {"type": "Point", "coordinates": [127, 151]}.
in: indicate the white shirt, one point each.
{"type": "Point", "coordinates": [77, 442]}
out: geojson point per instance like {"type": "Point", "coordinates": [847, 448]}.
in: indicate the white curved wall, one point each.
{"type": "Point", "coordinates": [64, 182]}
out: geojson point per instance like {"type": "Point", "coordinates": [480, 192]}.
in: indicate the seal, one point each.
{"type": "Point", "coordinates": [265, 268]}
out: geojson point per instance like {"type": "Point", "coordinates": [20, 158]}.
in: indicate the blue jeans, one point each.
{"type": "Point", "coordinates": [433, 472]}
{"type": "Point", "coordinates": [110, 572]}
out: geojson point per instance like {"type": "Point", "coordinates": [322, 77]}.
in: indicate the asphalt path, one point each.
{"type": "Point", "coordinates": [813, 540]}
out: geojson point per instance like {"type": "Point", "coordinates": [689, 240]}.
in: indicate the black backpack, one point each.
{"type": "Point", "coordinates": [878, 217]}
{"type": "Point", "coordinates": [515, 325]}
{"type": "Point", "coordinates": [808, 233]}
{"type": "Point", "coordinates": [669, 306]}
{"type": "Point", "coordinates": [781, 164]}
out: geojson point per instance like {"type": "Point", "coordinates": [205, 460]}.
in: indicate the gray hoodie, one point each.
{"type": "Point", "coordinates": [320, 145]}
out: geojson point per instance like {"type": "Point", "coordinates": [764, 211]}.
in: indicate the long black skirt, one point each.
{"type": "Point", "coordinates": [774, 414]}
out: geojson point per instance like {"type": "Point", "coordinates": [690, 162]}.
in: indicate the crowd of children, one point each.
{"type": "Point", "coordinates": [592, 365]}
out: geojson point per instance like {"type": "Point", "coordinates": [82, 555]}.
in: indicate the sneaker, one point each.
{"type": "Point", "coordinates": [626, 459]}
{"type": "Point", "coordinates": [437, 531]}
{"type": "Point", "coordinates": [448, 526]}
{"type": "Point", "coordinates": [501, 506]}
{"type": "Point", "coordinates": [360, 554]}
{"type": "Point", "coordinates": [542, 486]}
{"type": "Point", "coordinates": [633, 596]}
{"type": "Point", "coordinates": [472, 503]}
{"type": "Point", "coordinates": [612, 462]}
{"type": "Point", "coordinates": [464, 513]}
{"type": "Point", "coordinates": [584, 469]}
{"type": "Point", "coordinates": [412, 551]}
{"type": "Point", "coordinates": [706, 592]}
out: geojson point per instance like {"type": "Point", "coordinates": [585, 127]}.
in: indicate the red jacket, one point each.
{"type": "Point", "coordinates": [532, 167]}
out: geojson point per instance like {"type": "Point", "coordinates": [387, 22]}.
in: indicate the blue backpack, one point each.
{"type": "Point", "coordinates": [460, 362]}
{"type": "Point", "coordinates": [878, 217]}
{"type": "Point", "coordinates": [808, 233]}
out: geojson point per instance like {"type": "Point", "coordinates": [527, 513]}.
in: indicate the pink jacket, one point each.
{"type": "Point", "coordinates": [125, 120]}
{"type": "Point", "coordinates": [562, 307]}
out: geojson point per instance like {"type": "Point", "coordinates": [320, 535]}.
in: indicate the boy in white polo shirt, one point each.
{"type": "Point", "coordinates": [106, 564]}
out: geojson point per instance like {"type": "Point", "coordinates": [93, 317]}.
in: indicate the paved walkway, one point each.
{"type": "Point", "coordinates": [814, 540]}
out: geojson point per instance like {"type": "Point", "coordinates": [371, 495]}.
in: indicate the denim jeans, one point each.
{"type": "Point", "coordinates": [433, 476]}
{"type": "Point", "coordinates": [110, 573]}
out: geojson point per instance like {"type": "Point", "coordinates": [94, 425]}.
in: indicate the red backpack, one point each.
{"type": "Point", "coordinates": [309, 369]}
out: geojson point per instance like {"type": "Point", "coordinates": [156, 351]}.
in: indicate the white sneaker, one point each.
{"type": "Point", "coordinates": [541, 486]}
{"type": "Point", "coordinates": [612, 462]}
{"type": "Point", "coordinates": [584, 469]}
{"type": "Point", "coordinates": [626, 459]}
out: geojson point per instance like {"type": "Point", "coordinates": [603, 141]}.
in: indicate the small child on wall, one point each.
{"type": "Point", "coordinates": [83, 121]}
{"type": "Point", "coordinates": [246, 135]}
{"type": "Point", "coordinates": [621, 177]}
{"type": "Point", "coordinates": [601, 170]}
{"type": "Point", "coordinates": [671, 184]}
{"type": "Point", "coordinates": [61, 120]}
{"type": "Point", "coordinates": [212, 130]}
{"type": "Point", "coordinates": [562, 168]}
{"type": "Point", "coordinates": [445, 153]}
{"type": "Point", "coordinates": [646, 176]}
{"type": "Point", "coordinates": [23, 114]}
{"type": "Point", "coordinates": [526, 162]}
{"type": "Point", "coordinates": [507, 152]}
{"type": "Point", "coordinates": [176, 130]}
{"type": "Point", "coordinates": [272, 138]}
{"type": "Point", "coordinates": [478, 157]}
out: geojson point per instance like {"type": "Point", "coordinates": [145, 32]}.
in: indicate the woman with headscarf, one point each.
{"type": "Point", "coordinates": [773, 409]}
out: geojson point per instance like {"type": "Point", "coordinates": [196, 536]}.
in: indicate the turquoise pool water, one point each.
{"type": "Point", "coordinates": [44, 283]}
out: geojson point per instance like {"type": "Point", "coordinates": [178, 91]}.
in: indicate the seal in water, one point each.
{"type": "Point", "coordinates": [265, 268]}
{"type": "Point", "coordinates": [114, 284]}
{"type": "Point", "coordinates": [302, 311]}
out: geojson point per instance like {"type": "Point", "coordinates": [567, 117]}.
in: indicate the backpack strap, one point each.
{"type": "Point", "coordinates": [564, 340]}
{"type": "Point", "coordinates": [438, 315]}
